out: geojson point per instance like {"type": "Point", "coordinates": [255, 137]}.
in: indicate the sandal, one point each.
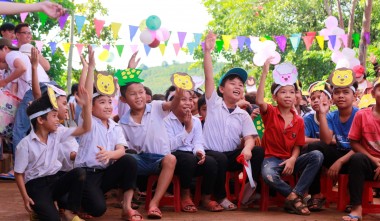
{"type": "Point", "coordinates": [188, 206]}
{"type": "Point", "coordinates": [154, 213]}
{"type": "Point", "coordinates": [316, 204]}
{"type": "Point", "coordinates": [352, 218]}
{"type": "Point", "coordinates": [132, 215]}
{"type": "Point", "coordinates": [290, 207]}
{"type": "Point", "coordinates": [84, 216]}
{"type": "Point", "coordinates": [228, 205]}
{"type": "Point", "coordinates": [348, 208]}
{"type": "Point", "coordinates": [213, 206]}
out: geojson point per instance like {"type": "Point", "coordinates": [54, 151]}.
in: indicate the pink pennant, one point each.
{"type": "Point", "coordinates": [308, 41]}
{"type": "Point", "coordinates": [181, 37]}
{"type": "Point", "coordinates": [344, 39]}
{"type": "Point", "coordinates": [23, 16]}
{"type": "Point", "coordinates": [134, 48]}
{"type": "Point", "coordinates": [176, 46]}
{"type": "Point", "coordinates": [62, 20]}
{"type": "Point", "coordinates": [39, 45]}
{"type": "Point", "coordinates": [234, 45]}
{"type": "Point", "coordinates": [79, 47]}
{"type": "Point", "coordinates": [311, 33]}
{"type": "Point", "coordinates": [99, 26]}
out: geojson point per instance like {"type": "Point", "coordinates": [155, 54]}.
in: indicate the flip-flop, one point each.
{"type": "Point", "coordinates": [358, 218]}
{"type": "Point", "coordinates": [228, 205]}
{"type": "Point", "coordinates": [7, 176]}
{"type": "Point", "coordinates": [316, 204]}
{"type": "Point", "coordinates": [213, 206]}
{"type": "Point", "coordinates": [188, 206]}
{"type": "Point", "coordinates": [132, 215]}
{"type": "Point", "coordinates": [154, 213]}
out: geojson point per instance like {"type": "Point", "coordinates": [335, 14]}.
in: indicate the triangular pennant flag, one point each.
{"type": "Point", "coordinates": [15, 42]}
{"type": "Point", "coordinates": [134, 48]}
{"type": "Point", "coordinates": [43, 17]}
{"type": "Point", "coordinates": [107, 47]}
{"type": "Point", "coordinates": [162, 48]}
{"type": "Point", "coordinates": [308, 40]}
{"type": "Point", "coordinates": [115, 27]}
{"type": "Point", "coordinates": [79, 48]}
{"type": "Point", "coordinates": [311, 33]}
{"type": "Point", "coordinates": [132, 31]}
{"type": "Point", "coordinates": [191, 46]}
{"type": "Point", "coordinates": [39, 45]}
{"type": "Point", "coordinates": [79, 22]}
{"type": "Point", "coordinates": [166, 42]}
{"type": "Point", "coordinates": [219, 45]}
{"type": "Point", "coordinates": [181, 37]}
{"type": "Point", "coordinates": [226, 40]}
{"type": "Point", "coordinates": [66, 47]}
{"type": "Point", "coordinates": [241, 40]}
{"type": "Point", "coordinates": [281, 42]}
{"type": "Point", "coordinates": [62, 20]}
{"type": "Point", "coordinates": [295, 41]}
{"type": "Point", "coordinates": [321, 41]}
{"type": "Point", "coordinates": [356, 38]}
{"type": "Point", "coordinates": [99, 24]}
{"type": "Point", "coordinates": [147, 49]}
{"type": "Point", "coordinates": [267, 37]}
{"type": "Point", "coordinates": [203, 45]}
{"type": "Point", "coordinates": [248, 43]}
{"type": "Point", "coordinates": [176, 48]}
{"type": "Point", "coordinates": [344, 38]}
{"type": "Point", "coordinates": [120, 49]}
{"type": "Point", "coordinates": [234, 45]}
{"type": "Point", "coordinates": [332, 39]}
{"type": "Point", "coordinates": [197, 38]}
{"type": "Point", "coordinates": [23, 16]}
{"type": "Point", "coordinates": [367, 37]}
{"type": "Point", "coordinates": [94, 46]}
{"type": "Point", "coordinates": [53, 47]}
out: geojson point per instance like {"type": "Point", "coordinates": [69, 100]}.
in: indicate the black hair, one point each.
{"type": "Point", "coordinates": [19, 26]}
{"type": "Point", "coordinates": [74, 88]}
{"type": "Point", "coordinates": [123, 89]}
{"type": "Point", "coordinates": [158, 97]}
{"type": "Point", "coordinates": [12, 49]}
{"type": "Point", "coordinates": [274, 86]}
{"type": "Point", "coordinates": [148, 91]}
{"type": "Point", "coordinates": [40, 104]}
{"type": "Point", "coordinates": [250, 97]}
{"type": "Point", "coordinates": [6, 27]}
{"type": "Point", "coordinates": [168, 91]}
{"type": "Point", "coordinates": [201, 102]}
{"type": "Point", "coordinates": [230, 77]}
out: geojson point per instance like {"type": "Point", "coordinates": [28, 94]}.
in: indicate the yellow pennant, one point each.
{"type": "Point", "coordinates": [226, 41]}
{"type": "Point", "coordinates": [66, 47]}
{"type": "Point", "coordinates": [162, 48]}
{"type": "Point", "coordinates": [115, 27]}
{"type": "Point", "coordinates": [321, 41]}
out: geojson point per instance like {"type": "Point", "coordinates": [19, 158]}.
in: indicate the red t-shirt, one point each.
{"type": "Point", "coordinates": [366, 129]}
{"type": "Point", "coordinates": [277, 141]}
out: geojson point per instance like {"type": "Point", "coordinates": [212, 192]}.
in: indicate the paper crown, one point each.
{"type": "Point", "coordinates": [183, 81]}
{"type": "Point", "coordinates": [320, 86]}
{"type": "Point", "coordinates": [285, 74]}
{"type": "Point", "coordinates": [53, 101]}
{"type": "Point", "coordinates": [341, 78]}
{"type": "Point", "coordinates": [105, 84]}
{"type": "Point", "coordinates": [128, 75]}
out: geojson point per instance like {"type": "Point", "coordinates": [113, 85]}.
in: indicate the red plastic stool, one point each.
{"type": "Point", "coordinates": [198, 191]}
{"type": "Point", "coordinates": [343, 195]}
{"type": "Point", "coordinates": [232, 175]}
{"type": "Point", "coordinates": [327, 189]}
{"type": "Point", "coordinates": [367, 199]}
{"type": "Point", "coordinates": [279, 199]}
{"type": "Point", "coordinates": [174, 200]}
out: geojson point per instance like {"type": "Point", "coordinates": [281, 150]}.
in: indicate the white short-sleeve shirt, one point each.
{"type": "Point", "coordinates": [67, 146]}
{"type": "Point", "coordinates": [150, 136]}
{"type": "Point", "coordinates": [223, 130]}
{"type": "Point", "coordinates": [180, 139]}
{"type": "Point", "coordinates": [36, 159]}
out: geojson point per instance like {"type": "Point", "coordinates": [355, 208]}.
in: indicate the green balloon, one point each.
{"type": "Point", "coordinates": [153, 22]}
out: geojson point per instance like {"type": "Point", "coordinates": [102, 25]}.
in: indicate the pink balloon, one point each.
{"type": "Point", "coordinates": [258, 60]}
{"type": "Point", "coordinates": [331, 22]}
{"type": "Point", "coordinates": [325, 33]}
{"type": "Point", "coordinates": [276, 58]}
{"type": "Point", "coordinates": [153, 33]}
{"type": "Point", "coordinates": [353, 62]}
{"type": "Point", "coordinates": [146, 37]}
{"type": "Point", "coordinates": [162, 34]}
{"type": "Point", "coordinates": [336, 56]}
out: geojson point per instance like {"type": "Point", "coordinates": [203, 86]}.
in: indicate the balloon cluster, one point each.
{"type": "Point", "coordinates": [264, 50]}
{"type": "Point", "coordinates": [345, 58]}
{"type": "Point", "coordinates": [332, 28]}
{"type": "Point", "coordinates": [152, 33]}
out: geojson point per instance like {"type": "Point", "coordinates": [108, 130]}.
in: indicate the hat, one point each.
{"type": "Point", "coordinates": [358, 70]}
{"type": "Point", "coordinates": [26, 49]}
{"type": "Point", "coordinates": [240, 72]}
{"type": "Point", "coordinates": [8, 43]}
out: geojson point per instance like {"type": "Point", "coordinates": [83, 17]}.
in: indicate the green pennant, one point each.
{"type": "Point", "coordinates": [119, 49]}
{"type": "Point", "coordinates": [219, 45]}
{"type": "Point", "coordinates": [268, 37]}
{"type": "Point", "coordinates": [43, 17]}
{"type": "Point", "coordinates": [166, 42]}
{"type": "Point", "coordinates": [356, 38]}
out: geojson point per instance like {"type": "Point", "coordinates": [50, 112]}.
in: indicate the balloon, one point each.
{"type": "Point", "coordinates": [276, 58]}
{"type": "Point", "coordinates": [258, 60]}
{"type": "Point", "coordinates": [269, 45]}
{"type": "Point", "coordinates": [256, 44]}
{"type": "Point", "coordinates": [110, 57]}
{"type": "Point", "coordinates": [103, 56]}
{"type": "Point", "coordinates": [146, 37]}
{"type": "Point", "coordinates": [336, 56]}
{"type": "Point", "coordinates": [331, 22]}
{"type": "Point", "coordinates": [153, 33]}
{"type": "Point", "coordinates": [155, 43]}
{"type": "Point", "coordinates": [337, 46]}
{"type": "Point", "coordinates": [153, 22]}
{"type": "Point", "coordinates": [142, 25]}
{"type": "Point", "coordinates": [348, 53]}
{"type": "Point", "coordinates": [337, 31]}
{"type": "Point", "coordinates": [343, 63]}
{"type": "Point", "coordinates": [162, 34]}
{"type": "Point", "coordinates": [353, 62]}
{"type": "Point", "coordinates": [325, 33]}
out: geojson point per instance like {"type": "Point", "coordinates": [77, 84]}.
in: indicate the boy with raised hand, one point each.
{"type": "Point", "coordinates": [226, 125]}
{"type": "Point", "coordinates": [365, 163]}
{"type": "Point", "coordinates": [283, 138]}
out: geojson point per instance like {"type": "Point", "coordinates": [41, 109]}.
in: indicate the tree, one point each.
{"type": "Point", "coordinates": [365, 28]}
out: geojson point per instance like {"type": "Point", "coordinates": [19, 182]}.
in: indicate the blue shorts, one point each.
{"type": "Point", "coordinates": [148, 163]}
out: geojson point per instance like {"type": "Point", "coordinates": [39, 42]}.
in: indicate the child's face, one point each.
{"type": "Point", "coordinates": [315, 100]}
{"type": "Point", "coordinates": [62, 107]}
{"type": "Point", "coordinates": [195, 102]}
{"type": "Point", "coordinates": [232, 90]}
{"type": "Point", "coordinates": [298, 98]}
{"type": "Point", "coordinates": [343, 97]}
{"type": "Point", "coordinates": [285, 96]}
{"type": "Point", "coordinates": [135, 96]}
{"type": "Point", "coordinates": [51, 123]}
{"type": "Point", "coordinates": [8, 34]}
{"type": "Point", "coordinates": [376, 94]}
{"type": "Point", "coordinates": [203, 111]}
{"type": "Point", "coordinates": [3, 53]}
{"type": "Point", "coordinates": [102, 107]}
{"type": "Point", "coordinates": [186, 102]}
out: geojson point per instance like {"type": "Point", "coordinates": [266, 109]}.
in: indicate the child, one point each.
{"type": "Point", "coordinates": [283, 139]}
{"type": "Point", "coordinates": [186, 143]}
{"type": "Point", "coordinates": [145, 131]}
{"type": "Point", "coordinates": [227, 124]}
{"type": "Point", "coordinates": [365, 163]}
{"type": "Point", "coordinates": [37, 162]}
{"type": "Point", "coordinates": [202, 109]}
{"type": "Point", "coordinates": [302, 110]}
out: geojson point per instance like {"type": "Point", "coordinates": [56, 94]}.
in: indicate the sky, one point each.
{"type": "Point", "coordinates": [176, 15]}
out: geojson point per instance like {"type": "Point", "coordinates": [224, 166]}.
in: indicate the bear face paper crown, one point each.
{"type": "Point", "coordinates": [105, 84]}
{"type": "Point", "coordinates": [183, 81]}
{"type": "Point", "coordinates": [342, 78]}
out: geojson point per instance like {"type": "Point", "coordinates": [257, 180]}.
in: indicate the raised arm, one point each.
{"type": "Point", "coordinates": [132, 61]}
{"type": "Point", "coordinates": [84, 101]}
{"type": "Point", "coordinates": [44, 62]}
{"type": "Point", "coordinates": [35, 83]}
{"type": "Point", "coordinates": [53, 10]}
{"type": "Point", "coordinates": [83, 75]}
{"type": "Point", "coordinates": [260, 91]}
{"type": "Point", "coordinates": [207, 64]}
{"type": "Point", "coordinates": [325, 134]}
{"type": "Point", "coordinates": [89, 84]}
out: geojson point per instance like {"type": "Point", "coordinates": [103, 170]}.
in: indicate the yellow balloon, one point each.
{"type": "Point", "coordinates": [103, 56]}
{"type": "Point", "coordinates": [142, 25]}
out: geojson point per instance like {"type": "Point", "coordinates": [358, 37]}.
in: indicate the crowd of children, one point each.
{"type": "Point", "coordinates": [189, 134]}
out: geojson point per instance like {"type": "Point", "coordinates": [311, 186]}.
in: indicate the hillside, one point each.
{"type": "Point", "coordinates": [158, 78]}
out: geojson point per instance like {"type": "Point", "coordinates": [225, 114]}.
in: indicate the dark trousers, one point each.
{"type": "Point", "coordinates": [187, 167]}
{"type": "Point", "coordinates": [361, 168]}
{"type": "Point", "coordinates": [330, 154]}
{"type": "Point", "coordinates": [45, 190]}
{"type": "Point", "coordinates": [121, 173]}
{"type": "Point", "coordinates": [227, 162]}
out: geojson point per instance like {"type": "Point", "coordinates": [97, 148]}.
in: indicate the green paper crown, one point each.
{"type": "Point", "coordinates": [128, 75]}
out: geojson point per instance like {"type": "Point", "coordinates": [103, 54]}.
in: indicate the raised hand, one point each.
{"type": "Point", "coordinates": [132, 61]}
{"type": "Point", "coordinates": [91, 57]}
{"type": "Point", "coordinates": [210, 41]}
{"type": "Point", "coordinates": [82, 98]}
{"type": "Point", "coordinates": [324, 104]}
{"type": "Point", "coordinates": [53, 10]}
{"type": "Point", "coordinates": [34, 58]}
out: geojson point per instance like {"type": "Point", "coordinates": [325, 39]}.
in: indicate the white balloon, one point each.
{"type": "Point", "coordinates": [353, 62]}
{"type": "Point", "coordinates": [269, 45]}
{"type": "Point", "coordinates": [348, 53]}
{"type": "Point", "coordinates": [276, 57]}
{"type": "Point", "coordinates": [343, 63]}
{"type": "Point", "coordinates": [336, 56]}
{"type": "Point", "coordinates": [146, 37]}
{"type": "Point", "coordinates": [325, 33]}
{"type": "Point", "coordinates": [259, 60]}
{"type": "Point", "coordinates": [331, 22]}
{"type": "Point", "coordinates": [337, 31]}
{"type": "Point", "coordinates": [256, 44]}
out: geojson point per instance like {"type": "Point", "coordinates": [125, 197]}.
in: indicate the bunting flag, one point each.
{"type": "Point", "coordinates": [94, 46]}
{"type": "Point", "coordinates": [66, 47]}
{"type": "Point", "coordinates": [53, 47]}
{"type": "Point", "coordinates": [321, 41]}
{"type": "Point", "coordinates": [62, 20]}
{"type": "Point", "coordinates": [295, 42]}
{"type": "Point", "coordinates": [191, 46]}
{"type": "Point", "coordinates": [79, 21]}
{"type": "Point", "coordinates": [248, 43]}
{"type": "Point", "coordinates": [356, 38]}
{"type": "Point", "coordinates": [332, 39]}
{"type": "Point", "coordinates": [166, 42]}
{"type": "Point", "coordinates": [344, 39]}
{"type": "Point", "coordinates": [176, 46]}
{"type": "Point", "coordinates": [162, 48]}
{"type": "Point", "coordinates": [234, 45]}
{"type": "Point", "coordinates": [79, 48]}
{"type": "Point", "coordinates": [281, 42]}
{"type": "Point", "coordinates": [147, 49]}
{"type": "Point", "coordinates": [367, 38]}
{"type": "Point", "coordinates": [99, 24]}
{"type": "Point", "coordinates": [119, 49]}
{"type": "Point", "coordinates": [43, 17]}
{"type": "Point", "coordinates": [39, 45]}
{"type": "Point", "coordinates": [219, 45]}
{"type": "Point", "coordinates": [203, 45]}
{"type": "Point", "coordinates": [197, 38]}
{"type": "Point", "coordinates": [107, 47]}
{"type": "Point", "coordinates": [226, 41]}
{"type": "Point", "coordinates": [311, 33]}
{"type": "Point", "coordinates": [181, 37]}
{"type": "Point", "coordinates": [267, 37]}
{"type": "Point", "coordinates": [115, 27]}
{"type": "Point", "coordinates": [132, 31]}
{"type": "Point", "coordinates": [134, 48]}
{"type": "Point", "coordinates": [241, 40]}
{"type": "Point", "coordinates": [308, 40]}
{"type": "Point", "coordinates": [23, 16]}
